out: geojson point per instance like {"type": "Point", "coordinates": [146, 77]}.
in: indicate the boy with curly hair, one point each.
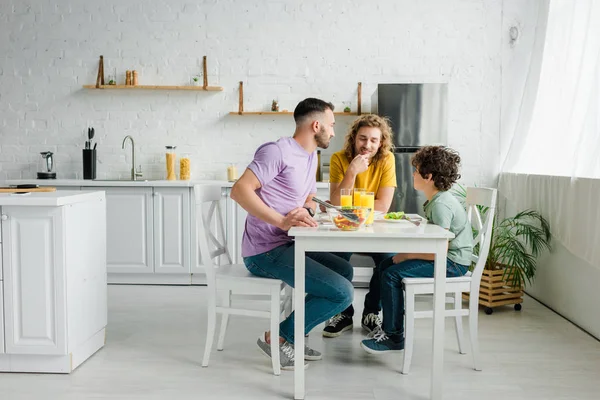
{"type": "Point", "coordinates": [435, 170]}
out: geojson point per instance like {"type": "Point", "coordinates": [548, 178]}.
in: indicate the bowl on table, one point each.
{"type": "Point", "coordinates": [343, 220]}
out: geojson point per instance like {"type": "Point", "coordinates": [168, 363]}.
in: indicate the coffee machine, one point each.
{"type": "Point", "coordinates": [47, 166]}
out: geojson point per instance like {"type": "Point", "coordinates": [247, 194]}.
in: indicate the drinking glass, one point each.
{"type": "Point", "coordinates": [368, 200]}
{"type": "Point", "coordinates": [357, 195]}
{"type": "Point", "coordinates": [346, 197]}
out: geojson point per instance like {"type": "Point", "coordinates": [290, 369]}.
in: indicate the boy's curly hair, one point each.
{"type": "Point", "coordinates": [440, 162]}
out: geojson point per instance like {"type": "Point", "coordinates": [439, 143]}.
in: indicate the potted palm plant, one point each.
{"type": "Point", "coordinates": [512, 260]}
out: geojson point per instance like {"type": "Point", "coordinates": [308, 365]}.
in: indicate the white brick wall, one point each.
{"type": "Point", "coordinates": [280, 49]}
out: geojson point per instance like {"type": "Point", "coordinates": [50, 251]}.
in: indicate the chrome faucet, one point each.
{"type": "Point", "coordinates": [134, 174]}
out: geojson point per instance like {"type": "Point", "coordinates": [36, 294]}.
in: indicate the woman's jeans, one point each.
{"type": "Point", "coordinates": [392, 298]}
{"type": "Point", "coordinates": [373, 296]}
{"type": "Point", "coordinates": [328, 283]}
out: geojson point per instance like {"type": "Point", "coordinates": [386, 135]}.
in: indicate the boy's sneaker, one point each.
{"type": "Point", "coordinates": [336, 325]}
{"type": "Point", "coordinates": [286, 353]}
{"type": "Point", "coordinates": [381, 343]}
{"type": "Point", "coordinates": [371, 322]}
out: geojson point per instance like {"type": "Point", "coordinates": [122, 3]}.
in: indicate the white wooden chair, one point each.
{"type": "Point", "coordinates": [229, 278]}
{"type": "Point", "coordinates": [465, 284]}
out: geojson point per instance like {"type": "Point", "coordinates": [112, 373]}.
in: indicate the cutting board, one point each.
{"type": "Point", "coordinates": [15, 190]}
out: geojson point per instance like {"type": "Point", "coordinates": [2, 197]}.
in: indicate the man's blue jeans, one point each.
{"type": "Point", "coordinates": [373, 297]}
{"type": "Point", "coordinates": [328, 283]}
{"type": "Point", "coordinates": [392, 298]}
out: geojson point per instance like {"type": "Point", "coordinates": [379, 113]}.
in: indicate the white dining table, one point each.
{"type": "Point", "coordinates": [381, 237]}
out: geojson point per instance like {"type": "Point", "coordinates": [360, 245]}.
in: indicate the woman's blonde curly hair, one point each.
{"type": "Point", "coordinates": [371, 121]}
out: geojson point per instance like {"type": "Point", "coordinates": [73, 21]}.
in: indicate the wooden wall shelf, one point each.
{"type": "Point", "coordinates": [242, 112]}
{"type": "Point", "coordinates": [100, 84]}
{"type": "Point", "coordinates": [156, 87]}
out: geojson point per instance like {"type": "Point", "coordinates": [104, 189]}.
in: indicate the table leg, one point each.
{"type": "Point", "coordinates": [299, 280]}
{"type": "Point", "coordinates": [439, 297]}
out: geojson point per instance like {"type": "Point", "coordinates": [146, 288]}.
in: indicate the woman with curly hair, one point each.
{"type": "Point", "coordinates": [435, 170]}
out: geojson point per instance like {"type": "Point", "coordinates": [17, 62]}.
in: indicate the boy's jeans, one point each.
{"type": "Point", "coordinates": [328, 283]}
{"type": "Point", "coordinates": [373, 297]}
{"type": "Point", "coordinates": [392, 298]}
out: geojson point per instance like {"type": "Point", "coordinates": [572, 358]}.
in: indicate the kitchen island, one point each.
{"type": "Point", "coordinates": [53, 308]}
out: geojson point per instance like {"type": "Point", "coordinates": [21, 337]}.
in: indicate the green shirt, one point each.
{"type": "Point", "coordinates": [446, 211]}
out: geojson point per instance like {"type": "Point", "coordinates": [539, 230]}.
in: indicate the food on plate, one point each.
{"type": "Point", "coordinates": [394, 215]}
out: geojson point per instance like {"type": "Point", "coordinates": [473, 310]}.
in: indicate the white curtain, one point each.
{"type": "Point", "coordinates": [553, 162]}
{"type": "Point", "coordinates": [558, 126]}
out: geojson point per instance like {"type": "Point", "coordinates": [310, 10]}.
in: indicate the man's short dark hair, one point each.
{"type": "Point", "coordinates": [309, 106]}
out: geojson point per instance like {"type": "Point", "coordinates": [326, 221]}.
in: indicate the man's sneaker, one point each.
{"type": "Point", "coordinates": [370, 322]}
{"type": "Point", "coordinates": [312, 354]}
{"type": "Point", "coordinates": [336, 325]}
{"type": "Point", "coordinates": [286, 353]}
{"type": "Point", "coordinates": [380, 344]}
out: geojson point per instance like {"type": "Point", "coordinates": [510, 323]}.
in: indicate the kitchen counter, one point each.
{"type": "Point", "coordinates": [49, 199]}
{"type": "Point", "coordinates": [53, 297]}
{"type": "Point", "coordinates": [128, 183]}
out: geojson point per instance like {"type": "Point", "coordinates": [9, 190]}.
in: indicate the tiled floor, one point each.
{"type": "Point", "coordinates": [156, 336]}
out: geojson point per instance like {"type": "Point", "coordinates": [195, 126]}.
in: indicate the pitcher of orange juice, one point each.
{"type": "Point", "coordinates": [346, 197]}
{"type": "Point", "coordinates": [357, 195]}
{"type": "Point", "coordinates": [368, 200]}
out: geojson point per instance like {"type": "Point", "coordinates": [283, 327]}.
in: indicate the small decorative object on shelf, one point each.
{"type": "Point", "coordinates": [275, 106]}
{"type": "Point", "coordinates": [134, 80]}
{"type": "Point", "coordinates": [128, 77]}
{"type": "Point", "coordinates": [112, 77]}
{"type": "Point", "coordinates": [196, 81]}
{"type": "Point", "coordinates": [347, 106]}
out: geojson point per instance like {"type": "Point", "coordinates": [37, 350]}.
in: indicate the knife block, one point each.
{"type": "Point", "coordinates": [89, 163]}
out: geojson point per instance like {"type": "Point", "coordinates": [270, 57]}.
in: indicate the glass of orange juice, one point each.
{"type": "Point", "coordinates": [367, 199]}
{"type": "Point", "coordinates": [346, 197]}
{"type": "Point", "coordinates": [357, 195]}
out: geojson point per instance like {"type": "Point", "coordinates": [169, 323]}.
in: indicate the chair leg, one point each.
{"type": "Point", "coordinates": [210, 327]}
{"type": "Point", "coordinates": [224, 321]}
{"type": "Point", "coordinates": [409, 328]}
{"type": "Point", "coordinates": [473, 330]}
{"type": "Point", "coordinates": [275, 312]}
{"type": "Point", "coordinates": [289, 296]}
{"type": "Point", "coordinates": [458, 322]}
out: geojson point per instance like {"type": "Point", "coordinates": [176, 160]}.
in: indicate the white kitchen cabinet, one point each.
{"type": "Point", "coordinates": [129, 229]}
{"type": "Point", "coordinates": [53, 295]}
{"type": "Point", "coordinates": [172, 230]}
{"type": "Point", "coordinates": [35, 291]}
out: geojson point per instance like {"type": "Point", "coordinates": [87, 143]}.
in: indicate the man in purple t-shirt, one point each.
{"type": "Point", "coordinates": [277, 189]}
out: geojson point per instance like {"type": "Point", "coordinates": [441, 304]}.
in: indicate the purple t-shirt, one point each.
{"type": "Point", "coordinates": [287, 174]}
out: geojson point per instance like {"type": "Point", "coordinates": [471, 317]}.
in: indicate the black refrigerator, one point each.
{"type": "Point", "coordinates": [419, 117]}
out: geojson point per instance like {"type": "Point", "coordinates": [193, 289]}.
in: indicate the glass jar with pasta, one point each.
{"type": "Point", "coordinates": [171, 163]}
{"type": "Point", "coordinates": [184, 167]}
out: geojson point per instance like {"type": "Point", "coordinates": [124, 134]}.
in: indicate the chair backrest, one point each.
{"type": "Point", "coordinates": [486, 199]}
{"type": "Point", "coordinates": [210, 230]}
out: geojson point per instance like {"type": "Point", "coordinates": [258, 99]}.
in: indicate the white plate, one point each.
{"type": "Point", "coordinates": [396, 221]}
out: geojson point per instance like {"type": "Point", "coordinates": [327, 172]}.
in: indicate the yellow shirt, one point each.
{"type": "Point", "coordinates": [376, 176]}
